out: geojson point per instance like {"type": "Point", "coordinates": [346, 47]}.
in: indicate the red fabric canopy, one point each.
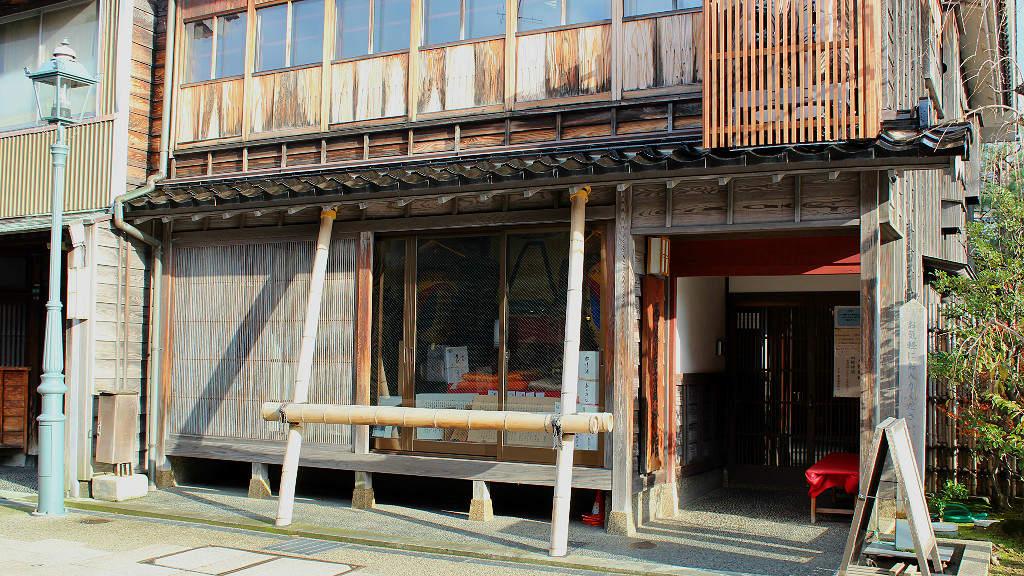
{"type": "Point", "coordinates": [836, 469]}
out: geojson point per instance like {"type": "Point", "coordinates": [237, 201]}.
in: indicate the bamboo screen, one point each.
{"type": "Point", "coordinates": [790, 71]}
{"type": "Point", "coordinates": [238, 315]}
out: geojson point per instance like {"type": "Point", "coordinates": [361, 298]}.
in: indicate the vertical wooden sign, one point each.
{"type": "Point", "coordinates": [652, 389]}
{"type": "Point", "coordinates": [914, 375]}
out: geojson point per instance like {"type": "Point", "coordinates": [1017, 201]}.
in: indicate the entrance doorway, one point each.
{"type": "Point", "coordinates": [784, 414]}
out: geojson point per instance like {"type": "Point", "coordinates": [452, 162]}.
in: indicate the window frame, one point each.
{"type": "Point", "coordinates": [462, 31]}
{"type": "Point", "coordinates": [672, 12]}
{"type": "Point", "coordinates": [288, 55]}
{"type": "Point", "coordinates": [187, 48]}
{"type": "Point", "coordinates": [564, 11]}
{"type": "Point", "coordinates": [42, 55]}
{"type": "Point", "coordinates": [372, 7]}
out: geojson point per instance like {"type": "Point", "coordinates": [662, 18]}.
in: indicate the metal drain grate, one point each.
{"type": "Point", "coordinates": [304, 546]}
{"type": "Point", "coordinates": [94, 521]}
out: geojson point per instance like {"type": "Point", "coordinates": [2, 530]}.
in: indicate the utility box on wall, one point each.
{"type": "Point", "coordinates": [116, 428]}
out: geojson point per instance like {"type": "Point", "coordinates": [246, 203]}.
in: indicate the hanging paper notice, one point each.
{"type": "Point", "coordinates": [847, 363]}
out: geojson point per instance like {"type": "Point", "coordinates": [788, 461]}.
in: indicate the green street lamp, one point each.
{"type": "Point", "coordinates": [62, 87]}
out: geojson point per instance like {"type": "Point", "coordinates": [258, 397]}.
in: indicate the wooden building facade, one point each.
{"type": "Point", "coordinates": [751, 169]}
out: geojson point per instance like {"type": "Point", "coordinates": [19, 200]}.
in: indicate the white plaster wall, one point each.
{"type": "Point", "coordinates": [700, 323]}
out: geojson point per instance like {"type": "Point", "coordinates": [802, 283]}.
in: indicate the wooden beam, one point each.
{"type": "Point", "coordinates": [511, 21]}
{"type": "Point", "coordinates": [250, 40]}
{"type": "Point", "coordinates": [870, 245]}
{"type": "Point", "coordinates": [414, 58]}
{"type": "Point", "coordinates": [618, 46]}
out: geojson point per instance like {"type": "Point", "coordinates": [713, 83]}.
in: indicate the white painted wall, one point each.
{"type": "Point", "coordinates": [700, 323]}
{"type": "Point", "coordinates": [804, 283]}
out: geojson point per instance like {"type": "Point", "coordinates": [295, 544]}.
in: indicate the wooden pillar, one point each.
{"type": "Point", "coordinates": [164, 477]}
{"type": "Point", "coordinates": [362, 495]}
{"type": "Point", "coordinates": [624, 366]}
{"type": "Point", "coordinates": [259, 485]}
{"type": "Point", "coordinates": [481, 508]}
{"type": "Point", "coordinates": [870, 246]}
{"type": "Point", "coordinates": [363, 337]}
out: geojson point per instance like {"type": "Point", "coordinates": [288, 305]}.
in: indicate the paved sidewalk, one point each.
{"type": "Point", "coordinates": [731, 531]}
{"type": "Point", "coordinates": [100, 544]}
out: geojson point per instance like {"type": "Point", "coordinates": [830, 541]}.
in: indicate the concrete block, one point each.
{"type": "Point", "coordinates": [362, 499]}
{"type": "Point", "coordinates": [259, 485]}
{"type": "Point", "coordinates": [481, 510]}
{"type": "Point", "coordinates": [119, 488]}
{"type": "Point", "coordinates": [164, 478]}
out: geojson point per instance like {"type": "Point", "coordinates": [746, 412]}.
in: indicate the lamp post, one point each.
{"type": "Point", "coordinates": [62, 86]}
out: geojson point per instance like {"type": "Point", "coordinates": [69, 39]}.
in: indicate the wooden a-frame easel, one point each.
{"type": "Point", "coordinates": [891, 437]}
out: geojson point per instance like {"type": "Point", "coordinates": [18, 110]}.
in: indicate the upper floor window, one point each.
{"type": "Point", "coordinates": [638, 7]}
{"type": "Point", "coordinates": [215, 47]}
{"type": "Point", "coordinates": [453, 20]}
{"type": "Point", "coordinates": [537, 14]}
{"type": "Point", "coordinates": [371, 27]}
{"type": "Point", "coordinates": [290, 34]}
{"type": "Point", "coordinates": [29, 41]}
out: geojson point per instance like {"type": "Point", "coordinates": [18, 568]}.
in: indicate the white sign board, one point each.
{"type": "Point", "coordinates": [846, 352]}
{"type": "Point", "coordinates": [914, 375]}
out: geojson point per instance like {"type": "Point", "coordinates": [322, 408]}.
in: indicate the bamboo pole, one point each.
{"type": "Point", "coordinates": [570, 376]}
{"type": "Point", "coordinates": [290, 467]}
{"type": "Point", "coordinates": [590, 423]}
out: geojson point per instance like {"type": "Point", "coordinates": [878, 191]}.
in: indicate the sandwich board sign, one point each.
{"type": "Point", "coordinates": [892, 439]}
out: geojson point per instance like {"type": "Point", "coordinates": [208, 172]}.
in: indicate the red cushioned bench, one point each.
{"type": "Point", "coordinates": [835, 469]}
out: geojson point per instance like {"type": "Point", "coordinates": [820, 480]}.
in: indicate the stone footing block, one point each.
{"type": "Point", "coordinates": [119, 488]}
{"type": "Point", "coordinates": [481, 510]}
{"type": "Point", "coordinates": [362, 498]}
{"type": "Point", "coordinates": [620, 523]}
{"type": "Point", "coordinates": [259, 488]}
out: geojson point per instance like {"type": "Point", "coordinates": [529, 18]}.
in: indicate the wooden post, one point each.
{"type": "Point", "coordinates": [570, 374]}
{"type": "Point", "coordinates": [481, 508]}
{"type": "Point", "coordinates": [363, 337]}
{"type": "Point", "coordinates": [623, 364]}
{"type": "Point", "coordinates": [870, 245]}
{"type": "Point", "coordinates": [286, 497]}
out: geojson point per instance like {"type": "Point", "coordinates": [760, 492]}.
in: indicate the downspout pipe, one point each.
{"type": "Point", "coordinates": [156, 303]}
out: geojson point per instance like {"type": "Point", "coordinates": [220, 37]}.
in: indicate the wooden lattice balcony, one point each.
{"type": "Point", "coordinates": [790, 71]}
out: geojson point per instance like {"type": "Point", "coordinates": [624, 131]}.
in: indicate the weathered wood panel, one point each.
{"type": "Point", "coordinates": [462, 76]}
{"type": "Point", "coordinates": [369, 88]}
{"type": "Point", "coordinates": [286, 100]}
{"type": "Point", "coordinates": [790, 72]}
{"type": "Point", "coordinates": [121, 312]}
{"type": "Point", "coordinates": [194, 8]}
{"type": "Point", "coordinates": [27, 185]}
{"type": "Point", "coordinates": [662, 52]}
{"type": "Point", "coordinates": [563, 63]}
{"type": "Point", "coordinates": [14, 395]}
{"type": "Point", "coordinates": [238, 312]}
{"type": "Point", "coordinates": [209, 111]}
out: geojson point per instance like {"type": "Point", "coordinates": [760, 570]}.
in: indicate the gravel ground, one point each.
{"type": "Point", "coordinates": [19, 478]}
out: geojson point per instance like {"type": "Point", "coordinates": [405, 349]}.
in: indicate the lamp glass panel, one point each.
{"type": "Point", "coordinates": [307, 32]}
{"type": "Point", "coordinates": [79, 24]}
{"type": "Point", "coordinates": [391, 25]}
{"type": "Point", "coordinates": [353, 29]}
{"type": "Point", "coordinates": [19, 48]}
{"type": "Point", "coordinates": [271, 37]}
{"type": "Point", "coordinates": [485, 18]}
{"type": "Point", "coordinates": [199, 58]}
{"type": "Point", "coordinates": [231, 45]}
{"type": "Point", "coordinates": [46, 94]}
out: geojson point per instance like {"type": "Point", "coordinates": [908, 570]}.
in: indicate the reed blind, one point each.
{"type": "Point", "coordinates": [237, 327]}
{"type": "Point", "coordinates": [790, 71]}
